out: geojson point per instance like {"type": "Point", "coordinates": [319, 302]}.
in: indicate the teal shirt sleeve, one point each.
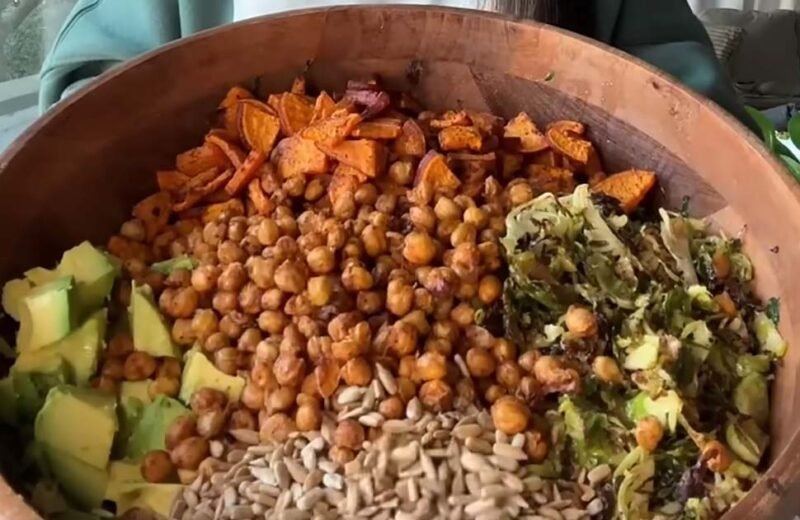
{"type": "Point", "coordinates": [99, 34]}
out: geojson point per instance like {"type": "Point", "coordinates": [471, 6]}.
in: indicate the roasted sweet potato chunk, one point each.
{"type": "Point", "coordinates": [245, 173]}
{"type": "Point", "coordinates": [171, 180]}
{"type": "Point", "coordinates": [234, 154]}
{"type": "Point", "coordinates": [193, 196]}
{"type": "Point", "coordinates": [212, 212]}
{"type": "Point", "coordinates": [487, 124]}
{"type": "Point", "coordinates": [154, 212]}
{"type": "Point", "coordinates": [229, 108]}
{"type": "Point", "coordinates": [381, 128]}
{"type": "Point", "coordinates": [323, 107]}
{"type": "Point", "coordinates": [200, 159]}
{"type": "Point", "coordinates": [548, 179]}
{"type": "Point", "coordinates": [298, 156]}
{"type": "Point", "coordinates": [295, 112]}
{"type": "Point", "coordinates": [365, 155]}
{"type": "Point", "coordinates": [451, 118]}
{"type": "Point", "coordinates": [256, 195]}
{"type": "Point", "coordinates": [570, 144]}
{"type": "Point", "coordinates": [523, 130]}
{"type": "Point", "coordinates": [411, 143]}
{"type": "Point", "coordinates": [629, 187]}
{"type": "Point", "coordinates": [434, 172]}
{"type": "Point", "coordinates": [331, 131]}
{"type": "Point", "coordinates": [568, 126]}
{"type": "Point", "coordinates": [455, 138]}
{"type": "Point", "coordinates": [258, 126]}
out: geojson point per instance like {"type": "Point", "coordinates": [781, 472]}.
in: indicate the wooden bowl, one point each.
{"type": "Point", "coordinates": [76, 173]}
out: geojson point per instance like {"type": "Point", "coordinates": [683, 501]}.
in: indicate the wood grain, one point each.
{"type": "Point", "coordinates": [75, 174]}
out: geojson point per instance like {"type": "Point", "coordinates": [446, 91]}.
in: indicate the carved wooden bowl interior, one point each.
{"type": "Point", "coordinates": [77, 172]}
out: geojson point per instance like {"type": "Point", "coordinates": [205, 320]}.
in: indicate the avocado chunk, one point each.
{"type": "Point", "coordinates": [94, 275]}
{"type": "Point", "coordinates": [179, 262]}
{"type": "Point", "coordinates": [150, 331]}
{"type": "Point", "coordinates": [133, 397]}
{"type": "Point", "coordinates": [81, 349]}
{"type": "Point", "coordinates": [122, 474]}
{"type": "Point", "coordinates": [83, 484]}
{"type": "Point", "coordinates": [33, 375]}
{"type": "Point", "coordinates": [41, 276]}
{"type": "Point", "coordinates": [14, 292]}
{"type": "Point", "coordinates": [46, 314]}
{"type": "Point", "coordinates": [78, 422]}
{"type": "Point", "coordinates": [149, 431]}
{"type": "Point", "coordinates": [156, 498]}
{"type": "Point", "coordinates": [199, 373]}
{"type": "Point", "coordinates": [135, 390]}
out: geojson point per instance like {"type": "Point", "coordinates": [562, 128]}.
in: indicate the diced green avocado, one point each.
{"type": "Point", "coordinates": [135, 389]}
{"type": "Point", "coordinates": [34, 373]}
{"type": "Point", "coordinates": [768, 336]}
{"type": "Point", "coordinates": [83, 484]}
{"type": "Point", "coordinates": [179, 262]}
{"type": "Point", "coordinates": [751, 397]}
{"type": "Point", "coordinates": [46, 314]}
{"type": "Point", "coordinates": [666, 408]}
{"type": "Point", "coordinates": [79, 422]}
{"type": "Point", "coordinates": [8, 401]}
{"type": "Point", "coordinates": [94, 275]}
{"type": "Point", "coordinates": [156, 498]}
{"type": "Point", "coordinates": [121, 474]}
{"type": "Point", "coordinates": [14, 292]}
{"type": "Point", "coordinates": [644, 355]}
{"type": "Point", "coordinates": [41, 276]}
{"type": "Point", "coordinates": [148, 433]}
{"type": "Point", "coordinates": [133, 396]}
{"type": "Point", "coordinates": [82, 348]}
{"type": "Point", "coordinates": [199, 373]}
{"type": "Point", "coordinates": [150, 331]}
{"type": "Point", "coordinates": [746, 440]}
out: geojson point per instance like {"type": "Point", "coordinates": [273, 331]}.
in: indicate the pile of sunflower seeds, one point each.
{"type": "Point", "coordinates": [425, 466]}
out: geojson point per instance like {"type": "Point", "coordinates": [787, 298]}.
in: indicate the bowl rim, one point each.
{"type": "Point", "coordinates": [764, 497]}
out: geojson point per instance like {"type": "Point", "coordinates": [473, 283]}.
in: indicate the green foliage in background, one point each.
{"type": "Point", "coordinates": [770, 136]}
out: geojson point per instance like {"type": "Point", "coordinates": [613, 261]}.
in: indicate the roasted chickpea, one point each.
{"type": "Point", "coordinates": [519, 193]}
{"type": "Point", "coordinates": [250, 299]}
{"type": "Point", "coordinates": [489, 289]}
{"type": "Point", "coordinates": [476, 216]}
{"type": "Point", "coordinates": [207, 399]}
{"type": "Point", "coordinates": [276, 428]}
{"type": "Point", "coordinates": [536, 446]}
{"type": "Point", "coordinates": [716, 456]}
{"type": "Point", "coordinates": [447, 209]}
{"type": "Point", "coordinates": [231, 326]}
{"type": "Point", "coordinates": [280, 400]}
{"type": "Point", "coordinates": [289, 370]}
{"type": "Point", "coordinates": [401, 172]}
{"type": "Point", "coordinates": [204, 323]}
{"type": "Point", "coordinates": [446, 329]}
{"type": "Point", "coordinates": [211, 423]}
{"type": "Point", "coordinates": [465, 261]}
{"type": "Point", "coordinates": [215, 342]}
{"type": "Point", "coordinates": [229, 251]}
{"type": "Point", "coordinates": [386, 203]}
{"type": "Point", "coordinates": [463, 314]}
{"type": "Point", "coordinates": [314, 190]}
{"type": "Point", "coordinates": [392, 408]}
{"type": "Point", "coordinates": [407, 366]}
{"type": "Point", "coordinates": [357, 278]}
{"type": "Point", "coordinates": [551, 372]}
{"type": "Point", "coordinates": [649, 433]}
{"type": "Point", "coordinates": [463, 233]}
{"type": "Point", "coordinates": [120, 345]}
{"type": "Point", "coordinates": [607, 370]}
{"type": "Point", "coordinates": [139, 366]}
{"type": "Point", "coordinates": [242, 419]}
{"type": "Point", "coordinates": [374, 240]}
{"type": "Point", "coordinates": [509, 375]}
{"type": "Point", "coordinates": [726, 304]}
{"type": "Point", "coordinates": [399, 297]}
{"type": "Point", "coordinates": [527, 360]}
{"type": "Point", "coordinates": [182, 332]}
{"type": "Point", "coordinates": [307, 326]}
{"type": "Point", "coordinates": [423, 218]}
{"type": "Point", "coordinates": [232, 278]}
{"type": "Point", "coordinates": [249, 340]}
{"type": "Point", "coordinates": [134, 230]}
{"type": "Point", "coordinates": [114, 369]}
{"type": "Point", "coordinates": [357, 372]}
{"type": "Point", "coordinates": [510, 415]}
{"type": "Point", "coordinates": [436, 395]}
{"type": "Point", "coordinates": [163, 385]}
{"type": "Point", "coordinates": [308, 417]}
{"type": "Point", "coordinates": [214, 233]}
{"type": "Point", "coordinates": [180, 429]}
{"type": "Point", "coordinates": [446, 228]}
{"type": "Point", "coordinates": [268, 232]}
{"type": "Point", "coordinates": [402, 339]}
{"type": "Point", "coordinates": [190, 453]}
{"type": "Point", "coordinates": [291, 277]}
{"type": "Point", "coordinates": [272, 299]}
{"type": "Point", "coordinates": [321, 260]}
{"type": "Point", "coordinates": [227, 360]}
{"type": "Point", "coordinates": [490, 254]}
{"type": "Point", "coordinates": [406, 389]}
{"type": "Point", "coordinates": [272, 322]}
{"type": "Point", "coordinates": [431, 365]}
{"type": "Point", "coordinates": [504, 350]}
{"type": "Point", "coordinates": [480, 362]}
{"type": "Point", "coordinates": [494, 392]}
{"type": "Point", "coordinates": [157, 467]}
{"type": "Point", "coordinates": [722, 264]}
{"type": "Point", "coordinates": [419, 248]}
{"type": "Point", "coordinates": [341, 455]}
{"type": "Point", "coordinates": [349, 434]}
{"type": "Point", "coordinates": [262, 271]}
{"type": "Point", "coordinates": [580, 322]}
{"type": "Point", "coordinates": [225, 302]}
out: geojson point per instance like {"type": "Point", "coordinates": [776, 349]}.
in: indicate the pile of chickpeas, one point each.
{"type": "Point", "coordinates": [307, 299]}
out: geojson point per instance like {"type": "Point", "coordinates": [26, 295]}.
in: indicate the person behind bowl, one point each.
{"type": "Point", "coordinates": [99, 34]}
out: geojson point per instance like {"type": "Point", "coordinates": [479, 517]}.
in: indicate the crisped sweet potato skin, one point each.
{"type": "Point", "coordinates": [629, 187]}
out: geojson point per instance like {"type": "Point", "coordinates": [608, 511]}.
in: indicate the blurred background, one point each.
{"type": "Point", "coordinates": [758, 42]}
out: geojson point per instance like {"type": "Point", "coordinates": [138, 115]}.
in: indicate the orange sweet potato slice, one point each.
{"type": "Point", "coordinates": [154, 212]}
{"type": "Point", "coordinates": [331, 131]}
{"type": "Point", "coordinates": [451, 118]}
{"type": "Point", "coordinates": [201, 179]}
{"type": "Point", "coordinates": [454, 138]}
{"type": "Point", "coordinates": [486, 123]}
{"type": "Point", "coordinates": [258, 126]}
{"type": "Point", "coordinates": [229, 108]}
{"type": "Point", "coordinates": [298, 156]}
{"type": "Point", "coordinates": [570, 144]}
{"type": "Point", "coordinates": [245, 173]}
{"type": "Point", "coordinates": [234, 154]}
{"type": "Point", "coordinates": [295, 112]}
{"type": "Point", "coordinates": [323, 107]}
{"type": "Point", "coordinates": [200, 159]}
{"type": "Point", "coordinates": [568, 126]}
{"type": "Point", "coordinates": [380, 128]}
{"type": "Point", "coordinates": [274, 101]}
{"type": "Point", "coordinates": [523, 129]}
{"type": "Point", "coordinates": [192, 197]}
{"type": "Point", "coordinates": [256, 195]}
{"type": "Point", "coordinates": [548, 179]}
{"type": "Point", "coordinates": [433, 171]}
{"type": "Point", "coordinates": [171, 180]}
{"type": "Point", "coordinates": [210, 213]}
{"type": "Point", "coordinates": [365, 155]}
{"type": "Point", "coordinates": [411, 142]}
{"type": "Point", "coordinates": [629, 187]}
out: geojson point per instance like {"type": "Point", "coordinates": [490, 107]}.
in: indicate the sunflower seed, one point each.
{"type": "Point", "coordinates": [572, 513]}
{"type": "Point", "coordinates": [599, 474]}
{"type": "Point", "coordinates": [387, 379]}
{"type": "Point", "coordinates": [397, 426]}
{"type": "Point", "coordinates": [245, 436]}
{"type": "Point", "coordinates": [466, 431]}
{"type": "Point", "coordinates": [505, 463]}
{"type": "Point", "coordinates": [508, 451]}
{"type": "Point", "coordinates": [333, 481]}
{"type": "Point", "coordinates": [350, 394]}
{"type": "Point", "coordinates": [496, 514]}
{"type": "Point", "coordinates": [372, 420]}
{"type": "Point", "coordinates": [309, 458]}
{"type": "Point", "coordinates": [478, 445]}
{"type": "Point", "coordinates": [496, 491]}
{"type": "Point", "coordinates": [480, 506]}
{"type": "Point", "coordinates": [264, 475]}
{"type": "Point", "coordinates": [327, 466]}
{"type": "Point", "coordinates": [550, 512]}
